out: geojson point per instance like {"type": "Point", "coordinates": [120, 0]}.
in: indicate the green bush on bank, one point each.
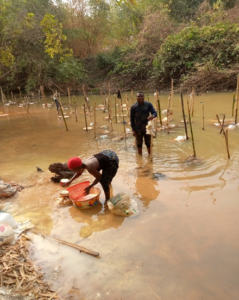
{"type": "Point", "coordinates": [123, 61]}
{"type": "Point", "coordinates": [194, 46]}
{"type": "Point", "coordinates": [114, 61]}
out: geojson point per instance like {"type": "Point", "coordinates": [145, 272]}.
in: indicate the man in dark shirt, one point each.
{"type": "Point", "coordinates": [139, 117]}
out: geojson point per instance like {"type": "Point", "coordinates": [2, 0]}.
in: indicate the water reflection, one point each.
{"type": "Point", "coordinates": [95, 219]}
{"type": "Point", "coordinates": [145, 186]}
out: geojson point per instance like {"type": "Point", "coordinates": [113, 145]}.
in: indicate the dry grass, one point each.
{"type": "Point", "coordinates": [19, 275]}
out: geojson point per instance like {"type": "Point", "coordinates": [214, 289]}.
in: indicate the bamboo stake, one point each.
{"type": "Point", "coordinates": [132, 96]}
{"type": "Point", "coordinates": [190, 123]}
{"type": "Point", "coordinates": [109, 107]}
{"type": "Point", "coordinates": [86, 99]}
{"type": "Point", "coordinates": [226, 139]}
{"type": "Point", "coordinates": [185, 124]}
{"type": "Point", "coordinates": [86, 128]}
{"type": "Point", "coordinates": [60, 98]}
{"type": "Point", "coordinates": [172, 92]}
{"type": "Point", "coordinates": [43, 95]}
{"type": "Point", "coordinates": [168, 111]}
{"type": "Point", "coordinates": [28, 105]}
{"type": "Point", "coordinates": [20, 93]}
{"type": "Point", "coordinates": [124, 123]}
{"type": "Point", "coordinates": [75, 105]}
{"type": "Point", "coordinates": [221, 124]}
{"type": "Point", "coordinates": [3, 96]}
{"type": "Point", "coordinates": [159, 109]}
{"type": "Point", "coordinates": [151, 146]}
{"type": "Point", "coordinates": [95, 119]}
{"type": "Point", "coordinates": [233, 103]}
{"type": "Point", "coordinates": [127, 105]}
{"type": "Point", "coordinates": [237, 96]}
{"type": "Point", "coordinates": [202, 115]}
{"type": "Point", "coordinates": [193, 93]}
{"type": "Point", "coordinates": [63, 116]}
{"type": "Point", "coordinates": [147, 92]}
{"type": "Point", "coordinates": [116, 119]}
{"type": "Point", "coordinates": [81, 249]}
{"type": "Point", "coordinates": [101, 94]}
{"type": "Point", "coordinates": [69, 97]}
{"type": "Point", "coordinates": [109, 111]}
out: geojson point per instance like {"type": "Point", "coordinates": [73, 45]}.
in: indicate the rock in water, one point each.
{"type": "Point", "coordinates": [39, 169]}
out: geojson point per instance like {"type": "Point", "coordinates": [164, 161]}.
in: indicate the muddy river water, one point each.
{"type": "Point", "coordinates": [184, 243]}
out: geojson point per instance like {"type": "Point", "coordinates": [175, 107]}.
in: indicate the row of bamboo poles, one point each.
{"type": "Point", "coordinates": [125, 107]}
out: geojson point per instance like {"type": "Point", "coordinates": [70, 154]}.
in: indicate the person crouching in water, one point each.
{"type": "Point", "coordinates": [107, 161]}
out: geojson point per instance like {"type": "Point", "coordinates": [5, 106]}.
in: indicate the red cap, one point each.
{"type": "Point", "coordinates": [74, 163]}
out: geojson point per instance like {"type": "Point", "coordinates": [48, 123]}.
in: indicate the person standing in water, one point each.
{"type": "Point", "coordinates": [139, 117]}
{"type": "Point", "coordinates": [107, 161]}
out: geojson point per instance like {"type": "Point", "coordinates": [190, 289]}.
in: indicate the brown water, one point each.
{"type": "Point", "coordinates": [184, 243]}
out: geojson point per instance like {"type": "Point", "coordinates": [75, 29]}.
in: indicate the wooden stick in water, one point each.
{"type": "Point", "coordinates": [226, 138]}
{"type": "Point", "coordinates": [75, 105]}
{"type": "Point", "coordinates": [185, 124]}
{"type": "Point", "coordinates": [190, 123]}
{"type": "Point", "coordinates": [151, 146]}
{"type": "Point", "coordinates": [43, 95]}
{"type": "Point", "coordinates": [124, 122]}
{"type": "Point", "coordinates": [116, 119]}
{"type": "Point", "coordinates": [95, 119]}
{"type": "Point", "coordinates": [192, 108]}
{"type": "Point", "coordinates": [221, 124]}
{"type": "Point", "coordinates": [69, 98]}
{"type": "Point", "coordinates": [20, 93]}
{"type": "Point", "coordinates": [202, 115]}
{"type": "Point", "coordinates": [172, 95]}
{"type": "Point", "coordinates": [109, 108]}
{"type": "Point", "coordinates": [237, 96]}
{"type": "Point", "coordinates": [148, 94]}
{"type": "Point", "coordinates": [109, 114]}
{"type": "Point", "coordinates": [63, 116]}
{"type": "Point", "coordinates": [81, 249]}
{"type": "Point", "coordinates": [159, 109]}
{"type": "Point", "coordinates": [233, 103]}
{"type": "Point", "coordinates": [86, 99]}
{"type": "Point", "coordinates": [132, 96]}
{"type": "Point", "coordinates": [60, 98]}
{"type": "Point", "coordinates": [28, 104]}
{"type": "Point", "coordinates": [2, 95]}
{"type": "Point", "coordinates": [168, 111]}
{"type": "Point", "coordinates": [127, 105]}
{"type": "Point", "coordinates": [101, 94]}
{"type": "Point", "coordinates": [86, 128]}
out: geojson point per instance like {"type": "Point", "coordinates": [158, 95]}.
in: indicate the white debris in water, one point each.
{"type": "Point", "coordinates": [180, 138]}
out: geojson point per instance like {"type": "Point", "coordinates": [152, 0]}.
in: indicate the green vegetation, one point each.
{"type": "Point", "coordinates": [135, 43]}
{"type": "Point", "coordinates": [194, 47]}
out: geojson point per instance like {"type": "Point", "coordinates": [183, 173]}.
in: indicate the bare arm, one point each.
{"type": "Point", "coordinates": [76, 175]}
{"type": "Point", "coordinates": [96, 174]}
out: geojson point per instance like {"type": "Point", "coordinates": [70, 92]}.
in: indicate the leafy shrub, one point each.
{"type": "Point", "coordinates": [113, 61]}
{"type": "Point", "coordinates": [69, 70]}
{"type": "Point", "coordinates": [193, 47]}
